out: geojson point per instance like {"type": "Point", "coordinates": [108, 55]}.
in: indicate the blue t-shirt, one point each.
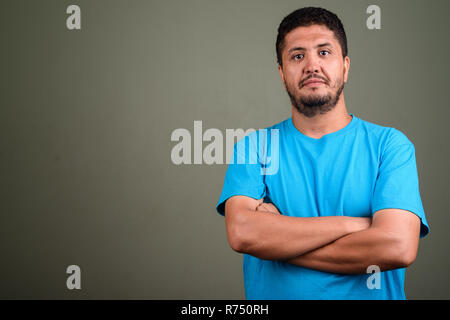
{"type": "Point", "coordinates": [355, 171]}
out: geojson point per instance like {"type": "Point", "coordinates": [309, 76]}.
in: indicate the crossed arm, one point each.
{"type": "Point", "coordinates": [336, 244]}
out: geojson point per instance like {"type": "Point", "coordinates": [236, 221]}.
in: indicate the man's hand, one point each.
{"type": "Point", "coordinates": [267, 207]}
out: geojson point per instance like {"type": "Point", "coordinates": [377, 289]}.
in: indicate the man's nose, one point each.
{"type": "Point", "coordinates": [312, 65]}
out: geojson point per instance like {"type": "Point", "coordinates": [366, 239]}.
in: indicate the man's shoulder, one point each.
{"type": "Point", "coordinates": [264, 136]}
{"type": "Point", "coordinates": [386, 136]}
{"type": "Point", "coordinates": [268, 130]}
{"type": "Point", "coordinates": [281, 125]}
{"type": "Point", "coordinates": [374, 128]}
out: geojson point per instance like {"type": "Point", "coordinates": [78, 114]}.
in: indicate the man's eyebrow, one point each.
{"type": "Point", "coordinates": [326, 44]}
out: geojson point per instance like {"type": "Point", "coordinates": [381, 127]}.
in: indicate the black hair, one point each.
{"type": "Point", "coordinates": [306, 17]}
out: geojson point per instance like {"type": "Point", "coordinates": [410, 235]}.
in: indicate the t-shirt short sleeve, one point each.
{"type": "Point", "coordinates": [244, 173]}
{"type": "Point", "coordinates": [397, 184]}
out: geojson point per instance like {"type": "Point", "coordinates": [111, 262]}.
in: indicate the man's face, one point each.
{"type": "Point", "coordinates": [313, 70]}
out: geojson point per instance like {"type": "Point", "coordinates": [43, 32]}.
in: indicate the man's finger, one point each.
{"type": "Point", "coordinates": [269, 207]}
{"type": "Point", "coordinates": [272, 208]}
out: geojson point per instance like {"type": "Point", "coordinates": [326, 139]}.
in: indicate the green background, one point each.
{"type": "Point", "coordinates": [86, 118]}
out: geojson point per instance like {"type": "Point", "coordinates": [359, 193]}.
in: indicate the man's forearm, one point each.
{"type": "Point", "coordinates": [353, 253]}
{"type": "Point", "coordinates": [274, 237]}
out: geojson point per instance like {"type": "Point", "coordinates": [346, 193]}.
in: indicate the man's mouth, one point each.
{"type": "Point", "coordinates": [313, 83]}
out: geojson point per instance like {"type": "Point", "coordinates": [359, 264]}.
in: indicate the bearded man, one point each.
{"type": "Point", "coordinates": [345, 199]}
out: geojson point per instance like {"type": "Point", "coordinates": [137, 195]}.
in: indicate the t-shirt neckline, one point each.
{"type": "Point", "coordinates": [327, 136]}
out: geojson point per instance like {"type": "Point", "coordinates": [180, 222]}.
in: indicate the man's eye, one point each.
{"type": "Point", "coordinates": [324, 52]}
{"type": "Point", "coordinates": [298, 56]}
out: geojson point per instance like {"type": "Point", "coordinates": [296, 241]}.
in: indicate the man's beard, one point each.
{"type": "Point", "coordinates": [311, 105]}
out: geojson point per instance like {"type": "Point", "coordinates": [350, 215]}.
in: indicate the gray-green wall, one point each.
{"type": "Point", "coordinates": [87, 115]}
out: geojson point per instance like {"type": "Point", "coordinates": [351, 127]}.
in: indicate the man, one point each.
{"type": "Point", "coordinates": [345, 198]}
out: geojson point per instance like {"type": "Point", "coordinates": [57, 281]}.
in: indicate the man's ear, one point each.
{"type": "Point", "coordinates": [346, 68]}
{"type": "Point", "coordinates": [280, 71]}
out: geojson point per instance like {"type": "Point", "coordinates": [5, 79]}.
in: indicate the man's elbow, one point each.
{"type": "Point", "coordinates": [405, 253]}
{"type": "Point", "coordinates": [236, 244]}
{"type": "Point", "coordinates": [236, 232]}
{"type": "Point", "coordinates": [408, 257]}
{"type": "Point", "coordinates": [235, 239]}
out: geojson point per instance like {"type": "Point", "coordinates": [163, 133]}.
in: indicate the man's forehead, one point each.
{"type": "Point", "coordinates": [310, 36]}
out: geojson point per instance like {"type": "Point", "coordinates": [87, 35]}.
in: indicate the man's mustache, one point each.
{"type": "Point", "coordinates": [313, 77]}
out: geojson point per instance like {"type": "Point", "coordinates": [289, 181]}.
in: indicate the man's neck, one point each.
{"type": "Point", "coordinates": [322, 124]}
